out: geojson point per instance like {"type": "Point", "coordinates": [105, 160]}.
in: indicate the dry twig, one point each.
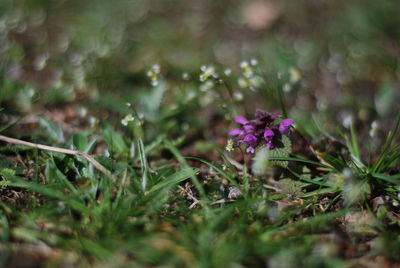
{"type": "Point", "coordinates": [89, 158]}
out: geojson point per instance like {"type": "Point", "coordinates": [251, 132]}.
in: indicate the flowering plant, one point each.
{"type": "Point", "coordinates": [261, 130]}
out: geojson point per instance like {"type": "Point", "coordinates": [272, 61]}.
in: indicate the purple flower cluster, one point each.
{"type": "Point", "coordinates": [261, 129]}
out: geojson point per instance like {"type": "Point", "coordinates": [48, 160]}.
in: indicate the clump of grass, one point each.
{"type": "Point", "coordinates": [119, 157]}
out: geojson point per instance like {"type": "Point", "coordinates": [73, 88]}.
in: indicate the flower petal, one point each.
{"type": "Point", "coordinates": [241, 120]}
{"type": "Point", "coordinates": [235, 132]}
{"type": "Point", "coordinates": [250, 150]}
{"type": "Point", "coordinates": [260, 114]}
{"type": "Point", "coordinates": [268, 134]}
{"type": "Point", "coordinates": [248, 128]}
{"type": "Point", "coordinates": [285, 125]}
{"type": "Point", "coordinates": [287, 122]}
{"type": "Point", "coordinates": [250, 139]}
{"type": "Point", "coordinates": [270, 145]}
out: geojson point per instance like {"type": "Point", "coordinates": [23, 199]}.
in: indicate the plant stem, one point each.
{"type": "Point", "coordinates": [89, 158]}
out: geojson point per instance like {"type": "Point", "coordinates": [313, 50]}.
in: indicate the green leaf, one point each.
{"type": "Point", "coordinates": [54, 131]}
{"type": "Point", "coordinates": [151, 101]}
{"type": "Point", "coordinates": [80, 141]}
{"type": "Point", "coordinates": [266, 158]}
{"type": "Point", "coordinates": [48, 191]}
{"type": "Point", "coordinates": [354, 142]}
{"type": "Point", "coordinates": [4, 227]}
{"type": "Point", "coordinates": [174, 179]}
{"type": "Point", "coordinates": [2, 128]}
{"type": "Point", "coordinates": [279, 93]}
{"type": "Point", "coordinates": [53, 174]}
{"type": "Point", "coordinates": [301, 160]}
{"type": "Point", "coordinates": [115, 141]}
{"type": "Point", "coordinates": [143, 164]}
{"type": "Point", "coordinates": [386, 178]}
{"type": "Point", "coordinates": [220, 171]}
{"type": "Point", "coordinates": [387, 148]}
{"type": "Point", "coordinates": [172, 148]}
{"type": "Point", "coordinates": [337, 162]}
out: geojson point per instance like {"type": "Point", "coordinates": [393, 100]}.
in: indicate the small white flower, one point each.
{"type": "Point", "coordinates": [287, 87]}
{"type": "Point", "coordinates": [82, 112]}
{"type": "Point", "coordinates": [244, 64]}
{"type": "Point", "coordinates": [190, 95]}
{"type": "Point", "coordinates": [125, 121]}
{"type": "Point", "coordinates": [128, 104]}
{"type": "Point", "coordinates": [227, 72]}
{"type": "Point", "coordinates": [238, 96]}
{"type": "Point", "coordinates": [243, 83]}
{"type": "Point", "coordinates": [347, 121]}
{"type": "Point", "coordinates": [247, 70]}
{"type": "Point", "coordinates": [253, 62]}
{"type": "Point", "coordinates": [207, 72]}
{"type": "Point", "coordinates": [230, 147]}
{"type": "Point", "coordinates": [31, 92]}
{"type": "Point", "coordinates": [92, 121]}
{"type": "Point", "coordinates": [207, 86]}
{"type": "Point", "coordinates": [374, 129]}
{"type": "Point", "coordinates": [255, 81]}
{"type": "Point", "coordinates": [155, 68]}
{"type": "Point", "coordinates": [153, 74]}
{"type": "Point", "coordinates": [40, 62]}
{"type": "Point", "coordinates": [295, 75]}
{"type": "Point", "coordinates": [185, 76]}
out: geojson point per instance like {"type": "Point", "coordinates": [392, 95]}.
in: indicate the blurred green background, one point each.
{"type": "Point", "coordinates": [345, 54]}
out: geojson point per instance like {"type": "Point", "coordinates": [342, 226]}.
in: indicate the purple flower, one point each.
{"type": "Point", "coordinates": [285, 125]}
{"type": "Point", "coordinates": [250, 150]}
{"type": "Point", "coordinates": [248, 128]}
{"type": "Point", "coordinates": [268, 134]}
{"type": "Point", "coordinates": [261, 130]}
{"type": "Point", "coordinates": [250, 140]}
{"type": "Point", "coordinates": [236, 132]}
{"type": "Point", "coordinates": [265, 116]}
{"type": "Point", "coordinates": [241, 120]}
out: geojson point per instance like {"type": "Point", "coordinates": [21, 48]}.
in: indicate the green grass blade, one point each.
{"type": "Point", "coordinates": [312, 181]}
{"type": "Point", "coordinates": [3, 128]}
{"type": "Point", "coordinates": [183, 162]}
{"type": "Point", "coordinates": [301, 160]}
{"type": "Point", "coordinates": [220, 171]}
{"type": "Point", "coordinates": [354, 142]}
{"type": "Point", "coordinates": [176, 178]}
{"type": "Point", "coordinates": [279, 94]}
{"type": "Point", "coordinates": [386, 178]}
{"type": "Point", "coordinates": [49, 192]}
{"type": "Point", "coordinates": [392, 134]}
{"type": "Point", "coordinates": [144, 165]}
